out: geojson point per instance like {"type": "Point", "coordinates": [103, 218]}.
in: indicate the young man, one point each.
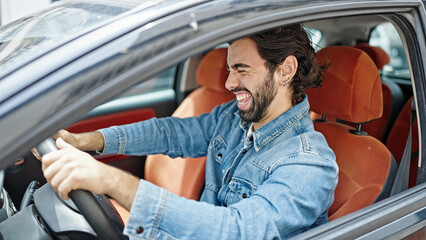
{"type": "Point", "coordinates": [269, 175]}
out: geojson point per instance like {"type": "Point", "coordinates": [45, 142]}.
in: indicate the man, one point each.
{"type": "Point", "coordinates": [269, 175]}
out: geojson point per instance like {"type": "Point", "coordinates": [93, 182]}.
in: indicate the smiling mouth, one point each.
{"type": "Point", "coordinates": [244, 100]}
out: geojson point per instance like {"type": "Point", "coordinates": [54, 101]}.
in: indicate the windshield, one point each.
{"type": "Point", "coordinates": [23, 40]}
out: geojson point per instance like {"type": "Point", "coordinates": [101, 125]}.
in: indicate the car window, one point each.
{"type": "Point", "coordinates": [158, 89]}
{"type": "Point", "coordinates": [161, 81]}
{"type": "Point", "coordinates": [386, 36]}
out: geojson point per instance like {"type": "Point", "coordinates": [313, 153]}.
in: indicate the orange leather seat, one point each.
{"type": "Point", "coordinates": [352, 92]}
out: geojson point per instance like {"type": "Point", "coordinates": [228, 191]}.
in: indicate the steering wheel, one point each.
{"type": "Point", "coordinates": [89, 207]}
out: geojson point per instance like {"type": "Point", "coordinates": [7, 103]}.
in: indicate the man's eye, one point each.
{"type": "Point", "coordinates": [241, 71]}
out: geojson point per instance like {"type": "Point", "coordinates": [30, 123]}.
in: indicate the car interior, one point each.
{"type": "Point", "coordinates": [363, 109]}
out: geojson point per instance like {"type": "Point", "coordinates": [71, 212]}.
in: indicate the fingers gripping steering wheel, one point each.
{"type": "Point", "coordinates": [89, 207]}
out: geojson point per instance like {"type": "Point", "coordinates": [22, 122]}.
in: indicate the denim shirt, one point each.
{"type": "Point", "coordinates": [272, 184]}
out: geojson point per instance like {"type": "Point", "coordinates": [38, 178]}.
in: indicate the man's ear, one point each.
{"type": "Point", "coordinates": [287, 69]}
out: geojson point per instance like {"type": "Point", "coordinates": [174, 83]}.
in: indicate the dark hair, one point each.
{"type": "Point", "coordinates": [276, 45]}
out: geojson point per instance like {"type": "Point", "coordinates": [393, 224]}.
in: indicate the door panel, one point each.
{"type": "Point", "coordinates": [104, 121]}
{"type": "Point", "coordinates": [119, 118]}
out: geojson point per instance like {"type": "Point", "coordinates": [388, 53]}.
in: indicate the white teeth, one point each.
{"type": "Point", "coordinates": [242, 97]}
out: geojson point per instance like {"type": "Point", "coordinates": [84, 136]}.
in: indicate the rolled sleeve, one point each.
{"type": "Point", "coordinates": [114, 140]}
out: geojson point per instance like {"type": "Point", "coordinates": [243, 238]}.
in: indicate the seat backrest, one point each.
{"type": "Point", "coordinates": [398, 137]}
{"type": "Point", "coordinates": [352, 92]}
{"type": "Point", "coordinates": [185, 176]}
{"type": "Point", "coordinates": [393, 97]}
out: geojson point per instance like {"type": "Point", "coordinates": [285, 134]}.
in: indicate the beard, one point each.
{"type": "Point", "coordinates": [264, 94]}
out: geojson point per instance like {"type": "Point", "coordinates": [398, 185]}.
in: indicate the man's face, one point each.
{"type": "Point", "coordinates": [249, 79]}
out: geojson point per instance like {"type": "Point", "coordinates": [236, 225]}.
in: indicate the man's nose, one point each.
{"type": "Point", "coordinates": [232, 82]}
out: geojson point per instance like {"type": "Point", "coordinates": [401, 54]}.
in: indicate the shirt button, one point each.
{"type": "Point", "coordinates": [139, 230]}
{"type": "Point", "coordinates": [244, 195]}
{"type": "Point", "coordinates": [223, 170]}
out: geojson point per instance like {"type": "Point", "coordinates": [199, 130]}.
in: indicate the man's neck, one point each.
{"type": "Point", "coordinates": [269, 116]}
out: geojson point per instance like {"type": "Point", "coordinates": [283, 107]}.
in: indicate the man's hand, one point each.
{"type": "Point", "coordinates": [68, 137]}
{"type": "Point", "coordinates": [69, 169]}
{"type": "Point", "coordinates": [90, 141]}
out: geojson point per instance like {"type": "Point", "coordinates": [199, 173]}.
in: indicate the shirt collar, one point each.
{"type": "Point", "coordinates": [274, 128]}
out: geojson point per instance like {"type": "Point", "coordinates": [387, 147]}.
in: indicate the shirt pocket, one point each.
{"type": "Point", "coordinates": [240, 189]}
{"type": "Point", "coordinates": [219, 146]}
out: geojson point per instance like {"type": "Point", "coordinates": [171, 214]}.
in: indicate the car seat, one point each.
{"type": "Point", "coordinates": [398, 138]}
{"type": "Point", "coordinates": [352, 92]}
{"type": "Point", "coordinates": [393, 97]}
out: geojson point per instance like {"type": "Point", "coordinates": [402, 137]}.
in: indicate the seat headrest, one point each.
{"type": "Point", "coordinates": [378, 55]}
{"type": "Point", "coordinates": [212, 72]}
{"type": "Point", "coordinates": [351, 90]}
